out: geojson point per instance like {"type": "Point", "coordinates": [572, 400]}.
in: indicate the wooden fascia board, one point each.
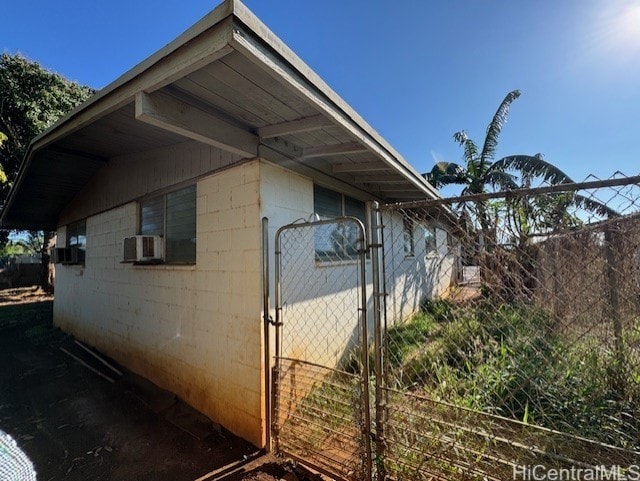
{"type": "Point", "coordinates": [268, 52]}
{"type": "Point", "coordinates": [170, 63]}
{"type": "Point", "coordinates": [306, 124]}
{"type": "Point", "coordinates": [169, 113]}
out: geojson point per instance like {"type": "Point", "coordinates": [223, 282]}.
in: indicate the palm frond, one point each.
{"type": "Point", "coordinates": [470, 150]}
{"type": "Point", "coordinates": [495, 127]}
{"type": "Point", "coordinates": [595, 206]}
{"type": "Point", "coordinates": [501, 180]}
{"type": "Point", "coordinates": [461, 137]}
{"type": "Point", "coordinates": [532, 166]}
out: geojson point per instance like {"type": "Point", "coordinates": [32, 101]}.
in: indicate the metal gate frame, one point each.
{"type": "Point", "coordinates": [365, 427]}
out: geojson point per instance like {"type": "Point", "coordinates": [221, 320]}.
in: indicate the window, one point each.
{"type": "Point", "coordinates": [409, 247]}
{"type": "Point", "coordinates": [77, 241]}
{"type": "Point", "coordinates": [336, 242]}
{"type": "Point", "coordinates": [430, 241]}
{"type": "Point", "coordinates": [172, 216]}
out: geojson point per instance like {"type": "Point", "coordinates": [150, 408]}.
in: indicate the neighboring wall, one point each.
{"type": "Point", "coordinates": [411, 280]}
{"type": "Point", "coordinates": [194, 330]}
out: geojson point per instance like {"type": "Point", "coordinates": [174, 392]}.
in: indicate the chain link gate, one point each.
{"type": "Point", "coordinates": [321, 376]}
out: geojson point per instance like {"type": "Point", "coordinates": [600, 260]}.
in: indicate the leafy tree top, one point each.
{"type": "Point", "coordinates": [31, 99]}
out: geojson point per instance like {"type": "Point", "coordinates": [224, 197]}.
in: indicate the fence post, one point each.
{"type": "Point", "coordinates": [266, 318]}
{"type": "Point", "coordinates": [378, 314]}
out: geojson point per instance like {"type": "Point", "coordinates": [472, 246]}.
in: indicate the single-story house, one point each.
{"type": "Point", "coordinates": [188, 151]}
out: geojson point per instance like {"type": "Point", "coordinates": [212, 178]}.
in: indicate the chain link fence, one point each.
{"type": "Point", "coordinates": [511, 333]}
{"type": "Point", "coordinates": [14, 463]}
{"type": "Point", "coordinates": [321, 410]}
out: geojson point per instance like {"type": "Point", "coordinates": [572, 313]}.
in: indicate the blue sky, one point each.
{"type": "Point", "coordinates": [417, 72]}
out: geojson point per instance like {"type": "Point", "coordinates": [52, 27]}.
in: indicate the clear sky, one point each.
{"type": "Point", "coordinates": [416, 70]}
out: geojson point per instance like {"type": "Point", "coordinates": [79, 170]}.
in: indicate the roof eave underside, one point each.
{"type": "Point", "coordinates": [312, 130]}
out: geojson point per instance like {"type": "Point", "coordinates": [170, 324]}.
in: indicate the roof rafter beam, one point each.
{"type": "Point", "coordinates": [335, 149]}
{"type": "Point", "coordinates": [389, 190]}
{"type": "Point", "coordinates": [305, 124]}
{"type": "Point", "coordinates": [169, 113]}
{"type": "Point", "coordinates": [415, 195]}
{"type": "Point", "coordinates": [277, 60]}
{"type": "Point", "coordinates": [361, 167]}
{"type": "Point", "coordinates": [380, 179]}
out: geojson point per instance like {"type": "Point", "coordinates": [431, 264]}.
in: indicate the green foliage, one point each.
{"type": "Point", "coordinates": [31, 99]}
{"type": "Point", "coordinates": [30, 243]}
{"type": "Point", "coordinates": [477, 172]}
{"type": "Point", "coordinates": [509, 360]}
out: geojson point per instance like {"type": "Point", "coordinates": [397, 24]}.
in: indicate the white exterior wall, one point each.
{"type": "Point", "coordinates": [132, 176]}
{"type": "Point", "coordinates": [330, 292]}
{"type": "Point", "coordinates": [197, 330]}
{"type": "Point", "coordinates": [321, 312]}
{"type": "Point", "coordinates": [411, 280]}
{"type": "Point", "coordinates": [194, 330]}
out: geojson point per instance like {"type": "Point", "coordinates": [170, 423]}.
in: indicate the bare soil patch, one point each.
{"type": "Point", "coordinates": [23, 295]}
{"type": "Point", "coordinates": [272, 468]}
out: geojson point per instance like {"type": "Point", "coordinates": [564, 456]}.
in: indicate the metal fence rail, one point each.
{"type": "Point", "coordinates": [510, 332]}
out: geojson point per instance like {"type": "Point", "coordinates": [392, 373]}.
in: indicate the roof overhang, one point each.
{"type": "Point", "coordinates": [227, 81]}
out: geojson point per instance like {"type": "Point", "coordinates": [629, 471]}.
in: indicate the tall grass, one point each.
{"type": "Point", "coordinates": [510, 360]}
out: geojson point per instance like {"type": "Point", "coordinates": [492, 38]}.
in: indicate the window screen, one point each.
{"type": "Point", "coordinates": [152, 216]}
{"type": "Point", "coordinates": [430, 240]}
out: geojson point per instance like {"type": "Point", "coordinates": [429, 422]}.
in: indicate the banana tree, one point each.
{"type": "Point", "coordinates": [476, 174]}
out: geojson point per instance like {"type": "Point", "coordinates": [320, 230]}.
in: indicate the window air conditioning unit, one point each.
{"type": "Point", "coordinates": [143, 248]}
{"type": "Point", "coordinates": [60, 255]}
{"type": "Point", "coordinates": [76, 255]}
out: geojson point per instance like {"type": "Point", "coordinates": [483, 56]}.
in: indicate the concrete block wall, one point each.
{"type": "Point", "coordinates": [321, 301]}
{"type": "Point", "coordinates": [197, 330]}
{"type": "Point", "coordinates": [194, 330]}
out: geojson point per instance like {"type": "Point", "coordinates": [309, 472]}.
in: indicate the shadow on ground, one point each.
{"type": "Point", "coordinates": [75, 425]}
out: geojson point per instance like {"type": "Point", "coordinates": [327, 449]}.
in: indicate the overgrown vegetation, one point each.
{"type": "Point", "coordinates": [512, 361]}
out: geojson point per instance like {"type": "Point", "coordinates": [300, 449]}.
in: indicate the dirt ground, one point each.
{"type": "Point", "coordinates": [77, 419]}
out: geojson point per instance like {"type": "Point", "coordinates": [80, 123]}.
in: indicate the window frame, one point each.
{"type": "Point", "coordinates": [77, 230]}
{"type": "Point", "coordinates": [163, 232]}
{"type": "Point", "coordinates": [430, 246]}
{"type": "Point", "coordinates": [408, 237]}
